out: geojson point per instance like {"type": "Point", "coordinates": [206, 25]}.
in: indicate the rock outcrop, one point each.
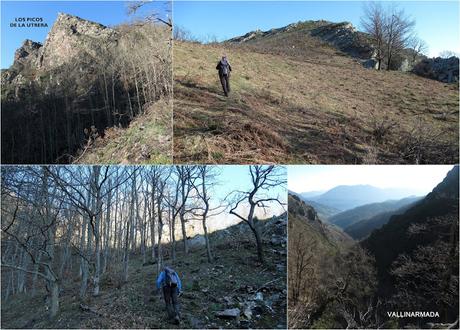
{"type": "Point", "coordinates": [28, 52]}
{"type": "Point", "coordinates": [359, 45]}
{"type": "Point", "coordinates": [72, 36]}
{"type": "Point", "coordinates": [74, 82]}
{"type": "Point", "coordinates": [442, 69]}
{"type": "Point", "coordinates": [346, 38]}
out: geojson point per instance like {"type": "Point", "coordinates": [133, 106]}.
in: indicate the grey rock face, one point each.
{"type": "Point", "coordinates": [197, 241]}
{"type": "Point", "coordinates": [442, 69]}
{"type": "Point", "coordinates": [28, 52]}
{"type": "Point", "coordinates": [346, 38]}
{"type": "Point", "coordinates": [72, 36]}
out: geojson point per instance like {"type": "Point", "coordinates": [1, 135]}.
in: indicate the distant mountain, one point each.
{"type": "Point", "coordinates": [422, 239]}
{"type": "Point", "coordinates": [348, 197]}
{"type": "Point", "coordinates": [363, 228]}
{"type": "Point", "coordinates": [364, 212]}
{"type": "Point", "coordinates": [310, 194]}
{"type": "Point", "coordinates": [324, 211]}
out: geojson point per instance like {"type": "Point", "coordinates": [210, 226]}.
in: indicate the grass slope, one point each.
{"type": "Point", "coordinates": [231, 282]}
{"type": "Point", "coordinates": [288, 109]}
{"type": "Point", "coordinates": [147, 140]}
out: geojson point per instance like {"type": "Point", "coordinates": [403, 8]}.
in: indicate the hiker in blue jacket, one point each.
{"type": "Point", "coordinates": [169, 281]}
{"type": "Point", "coordinates": [224, 73]}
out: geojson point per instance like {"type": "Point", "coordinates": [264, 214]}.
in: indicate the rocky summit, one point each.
{"type": "Point", "coordinates": [70, 35]}
{"type": "Point", "coordinates": [84, 78]}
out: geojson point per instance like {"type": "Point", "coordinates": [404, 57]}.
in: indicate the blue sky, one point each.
{"type": "Point", "coordinates": [104, 12]}
{"type": "Point", "coordinates": [421, 178]}
{"type": "Point", "coordinates": [237, 177]}
{"type": "Point", "coordinates": [436, 21]}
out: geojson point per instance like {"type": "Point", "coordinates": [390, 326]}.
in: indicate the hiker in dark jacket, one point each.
{"type": "Point", "coordinates": [224, 74]}
{"type": "Point", "coordinates": [170, 283]}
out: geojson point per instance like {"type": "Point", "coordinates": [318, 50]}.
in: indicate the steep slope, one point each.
{"type": "Point", "coordinates": [324, 212]}
{"type": "Point", "coordinates": [329, 276]}
{"type": "Point", "coordinates": [313, 39]}
{"type": "Point", "coordinates": [147, 140]}
{"type": "Point", "coordinates": [85, 78]}
{"type": "Point", "coordinates": [367, 211]}
{"type": "Point", "coordinates": [363, 228]}
{"type": "Point", "coordinates": [433, 220]}
{"type": "Point", "coordinates": [349, 197]}
{"type": "Point", "coordinates": [329, 235]}
{"type": "Point", "coordinates": [232, 281]}
{"type": "Point", "coordinates": [333, 39]}
{"type": "Point", "coordinates": [286, 108]}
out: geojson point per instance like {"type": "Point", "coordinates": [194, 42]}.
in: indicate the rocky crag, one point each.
{"type": "Point", "coordinates": [69, 89]}
{"type": "Point", "coordinates": [442, 69]}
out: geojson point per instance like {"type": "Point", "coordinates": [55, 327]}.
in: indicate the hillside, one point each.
{"type": "Point", "coordinates": [83, 79]}
{"type": "Point", "coordinates": [147, 140]}
{"type": "Point", "coordinates": [234, 280]}
{"type": "Point", "coordinates": [324, 212]}
{"type": "Point", "coordinates": [367, 211]}
{"type": "Point", "coordinates": [311, 39]}
{"type": "Point", "coordinates": [442, 201]}
{"type": "Point", "coordinates": [329, 276]}
{"type": "Point", "coordinates": [302, 109]}
{"type": "Point", "coordinates": [363, 228]}
{"type": "Point", "coordinates": [421, 246]}
{"type": "Point", "coordinates": [302, 211]}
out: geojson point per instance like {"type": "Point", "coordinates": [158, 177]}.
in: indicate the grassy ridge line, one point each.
{"type": "Point", "coordinates": [282, 109]}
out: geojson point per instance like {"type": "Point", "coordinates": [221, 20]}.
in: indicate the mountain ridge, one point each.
{"type": "Point", "coordinates": [366, 211]}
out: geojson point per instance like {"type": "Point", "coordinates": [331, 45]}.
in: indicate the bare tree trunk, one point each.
{"type": "Point", "coordinates": [152, 222]}
{"type": "Point", "coordinates": [54, 308]}
{"type": "Point", "coordinates": [83, 261]}
{"type": "Point", "coordinates": [107, 228]}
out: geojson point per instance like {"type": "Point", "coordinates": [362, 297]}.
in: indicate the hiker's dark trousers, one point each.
{"type": "Point", "coordinates": [225, 81]}
{"type": "Point", "coordinates": [171, 300]}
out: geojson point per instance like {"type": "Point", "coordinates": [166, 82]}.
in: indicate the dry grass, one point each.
{"type": "Point", "coordinates": [291, 110]}
{"type": "Point", "coordinates": [147, 140]}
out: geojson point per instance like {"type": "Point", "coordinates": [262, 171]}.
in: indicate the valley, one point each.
{"type": "Point", "coordinates": [349, 272]}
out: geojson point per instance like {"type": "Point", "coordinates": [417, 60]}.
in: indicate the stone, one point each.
{"type": "Point", "coordinates": [197, 241]}
{"type": "Point", "coordinates": [259, 296]}
{"type": "Point", "coordinates": [232, 313]}
{"type": "Point", "coordinates": [441, 69]}
{"type": "Point", "coordinates": [247, 312]}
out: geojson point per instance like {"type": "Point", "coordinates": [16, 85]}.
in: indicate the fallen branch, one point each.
{"type": "Point", "coordinates": [92, 310]}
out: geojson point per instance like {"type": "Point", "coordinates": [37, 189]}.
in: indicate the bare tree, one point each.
{"type": "Point", "coordinates": [206, 179]}
{"type": "Point", "coordinates": [373, 23]}
{"type": "Point", "coordinates": [418, 47]}
{"type": "Point", "coordinates": [448, 54]}
{"type": "Point", "coordinates": [263, 180]}
{"type": "Point", "coordinates": [32, 187]}
{"type": "Point", "coordinates": [398, 30]}
{"type": "Point", "coordinates": [391, 31]}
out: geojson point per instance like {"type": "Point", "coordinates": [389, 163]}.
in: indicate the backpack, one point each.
{"type": "Point", "coordinates": [224, 67]}
{"type": "Point", "coordinates": [170, 278]}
